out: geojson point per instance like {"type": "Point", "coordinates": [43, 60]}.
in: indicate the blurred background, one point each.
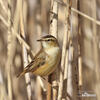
{"type": "Point", "coordinates": [22, 22]}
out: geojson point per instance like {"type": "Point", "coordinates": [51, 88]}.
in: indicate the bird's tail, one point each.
{"type": "Point", "coordinates": [21, 74]}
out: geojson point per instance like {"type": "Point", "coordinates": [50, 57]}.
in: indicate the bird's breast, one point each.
{"type": "Point", "coordinates": [52, 61]}
{"type": "Point", "coordinates": [52, 51]}
{"type": "Point", "coordinates": [53, 55]}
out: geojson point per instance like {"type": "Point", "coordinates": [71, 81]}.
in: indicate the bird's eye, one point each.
{"type": "Point", "coordinates": [48, 40]}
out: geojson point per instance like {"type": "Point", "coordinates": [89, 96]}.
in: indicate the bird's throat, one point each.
{"type": "Point", "coordinates": [53, 51]}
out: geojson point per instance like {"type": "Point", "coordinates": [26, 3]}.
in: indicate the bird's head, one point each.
{"type": "Point", "coordinates": [48, 41]}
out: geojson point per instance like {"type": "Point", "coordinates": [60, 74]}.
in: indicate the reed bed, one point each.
{"type": "Point", "coordinates": [75, 23]}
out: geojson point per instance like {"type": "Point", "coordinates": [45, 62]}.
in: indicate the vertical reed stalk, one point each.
{"type": "Point", "coordinates": [24, 51]}
{"type": "Point", "coordinates": [53, 30]}
{"type": "Point", "coordinates": [9, 54]}
{"type": "Point", "coordinates": [75, 45]}
{"type": "Point", "coordinates": [80, 59]}
{"type": "Point", "coordinates": [65, 43]}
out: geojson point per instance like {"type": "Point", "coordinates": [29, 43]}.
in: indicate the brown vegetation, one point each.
{"type": "Point", "coordinates": [75, 23]}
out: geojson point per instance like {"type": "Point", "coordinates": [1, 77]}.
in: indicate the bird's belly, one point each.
{"type": "Point", "coordinates": [47, 68]}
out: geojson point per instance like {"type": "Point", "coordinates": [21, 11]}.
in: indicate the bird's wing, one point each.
{"type": "Point", "coordinates": [38, 60]}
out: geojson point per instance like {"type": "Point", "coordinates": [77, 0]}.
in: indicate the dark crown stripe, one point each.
{"type": "Point", "coordinates": [48, 36]}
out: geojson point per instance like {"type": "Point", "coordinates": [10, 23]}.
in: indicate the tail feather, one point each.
{"type": "Point", "coordinates": [21, 74]}
{"type": "Point", "coordinates": [24, 71]}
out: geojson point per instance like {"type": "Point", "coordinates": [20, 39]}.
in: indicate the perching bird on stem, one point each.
{"type": "Point", "coordinates": [46, 60]}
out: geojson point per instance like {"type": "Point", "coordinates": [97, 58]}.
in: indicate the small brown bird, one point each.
{"type": "Point", "coordinates": [46, 60]}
